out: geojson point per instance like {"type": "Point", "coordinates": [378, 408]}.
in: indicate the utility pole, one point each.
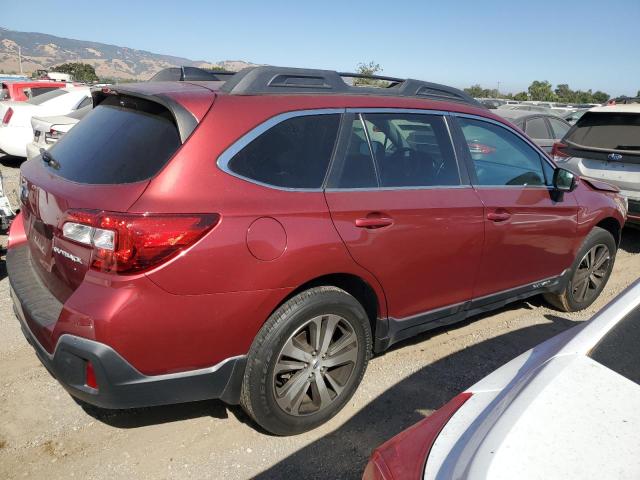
{"type": "Point", "coordinates": [498, 88]}
{"type": "Point", "coordinates": [20, 58]}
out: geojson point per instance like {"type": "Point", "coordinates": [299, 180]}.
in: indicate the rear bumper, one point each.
{"type": "Point", "coordinates": [120, 385]}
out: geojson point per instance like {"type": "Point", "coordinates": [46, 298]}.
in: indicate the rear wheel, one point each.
{"type": "Point", "coordinates": [307, 361]}
{"type": "Point", "coordinates": [589, 273]}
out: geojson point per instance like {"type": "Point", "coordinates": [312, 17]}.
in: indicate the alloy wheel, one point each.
{"type": "Point", "coordinates": [591, 273]}
{"type": "Point", "coordinates": [315, 365]}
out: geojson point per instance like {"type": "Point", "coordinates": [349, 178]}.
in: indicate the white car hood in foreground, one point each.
{"type": "Point", "coordinates": [551, 413]}
{"type": "Point", "coordinates": [575, 420]}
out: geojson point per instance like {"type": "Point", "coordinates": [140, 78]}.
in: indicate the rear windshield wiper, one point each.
{"type": "Point", "coordinates": [48, 159]}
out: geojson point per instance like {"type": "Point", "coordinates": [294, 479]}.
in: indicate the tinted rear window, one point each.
{"type": "Point", "coordinates": [618, 350]}
{"type": "Point", "coordinates": [614, 131]}
{"type": "Point", "coordinates": [117, 144]}
{"type": "Point", "coordinates": [40, 99]}
{"type": "Point", "coordinates": [294, 153]}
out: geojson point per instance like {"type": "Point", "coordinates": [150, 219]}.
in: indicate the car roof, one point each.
{"type": "Point", "coordinates": [622, 108]}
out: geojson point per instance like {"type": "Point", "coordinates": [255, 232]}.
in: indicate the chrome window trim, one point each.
{"type": "Point", "coordinates": [378, 189]}
{"type": "Point", "coordinates": [508, 128]}
{"type": "Point", "coordinates": [422, 111]}
{"type": "Point", "coordinates": [225, 157]}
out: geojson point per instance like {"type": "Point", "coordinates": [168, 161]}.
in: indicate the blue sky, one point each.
{"type": "Point", "coordinates": [587, 43]}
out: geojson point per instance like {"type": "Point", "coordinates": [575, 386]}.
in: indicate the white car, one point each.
{"type": "Point", "coordinates": [15, 117]}
{"type": "Point", "coordinates": [48, 130]}
{"type": "Point", "coordinates": [567, 409]}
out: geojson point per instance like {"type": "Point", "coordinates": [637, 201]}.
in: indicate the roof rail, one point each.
{"type": "Point", "coordinates": [286, 80]}
{"type": "Point", "coordinates": [186, 74]}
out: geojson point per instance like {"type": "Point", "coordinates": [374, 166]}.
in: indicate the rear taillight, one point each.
{"type": "Point", "coordinates": [7, 116]}
{"type": "Point", "coordinates": [52, 136]}
{"type": "Point", "coordinates": [405, 455]}
{"type": "Point", "coordinates": [480, 148]}
{"type": "Point", "coordinates": [130, 243]}
{"type": "Point", "coordinates": [558, 151]}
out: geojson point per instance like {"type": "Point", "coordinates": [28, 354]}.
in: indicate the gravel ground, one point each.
{"type": "Point", "coordinates": [44, 433]}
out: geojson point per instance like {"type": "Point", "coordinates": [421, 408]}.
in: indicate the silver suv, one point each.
{"type": "Point", "coordinates": [605, 144]}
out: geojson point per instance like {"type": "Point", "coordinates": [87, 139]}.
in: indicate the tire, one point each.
{"type": "Point", "coordinates": [601, 243]}
{"type": "Point", "coordinates": [306, 389]}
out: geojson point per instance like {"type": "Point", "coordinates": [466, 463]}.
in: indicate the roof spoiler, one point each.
{"type": "Point", "coordinates": [190, 74]}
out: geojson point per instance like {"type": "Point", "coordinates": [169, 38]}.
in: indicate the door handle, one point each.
{"type": "Point", "coordinates": [375, 222]}
{"type": "Point", "coordinates": [499, 216]}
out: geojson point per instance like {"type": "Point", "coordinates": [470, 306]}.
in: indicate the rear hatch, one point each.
{"type": "Point", "coordinates": [103, 164]}
{"type": "Point", "coordinates": [606, 146]}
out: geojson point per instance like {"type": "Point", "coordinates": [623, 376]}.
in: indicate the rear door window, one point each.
{"type": "Point", "coordinates": [412, 150]}
{"type": "Point", "coordinates": [40, 99]}
{"type": "Point", "coordinates": [499, 156]}
{"type": "Point", "coordinates": [356, 168]}
{"type": "Point", "coordinates": [559, 128]}
{"type": "Point", "coordinates": [122, 140]}
{"type": "Point", "coordinates": [536, 128]}
{"type": "Point", "coordinates": [295, 153]}
{"type": "Point", "coordinates": [607, 130]}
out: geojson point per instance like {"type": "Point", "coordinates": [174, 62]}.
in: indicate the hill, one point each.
{"type": "Point", "coordinates": [42, 51]}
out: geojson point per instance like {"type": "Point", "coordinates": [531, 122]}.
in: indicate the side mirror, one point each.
{"type": "Point", "coordinates": [564, 180]}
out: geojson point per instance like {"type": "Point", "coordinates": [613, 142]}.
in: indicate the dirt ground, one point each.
{"type": "Point", "coordinates": [45, 434]}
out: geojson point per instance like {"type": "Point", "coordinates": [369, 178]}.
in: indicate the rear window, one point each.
{"type": "Point", "coordinates": [122, 140]}
{"type": "Point", "coordinates": [618, 350]}
{"type": "Point", "coordinates": [295, 153]}
{"type": "Point", "coordinates": [612, 131]}
{"type": "Point", "coordinates": [40, 99]}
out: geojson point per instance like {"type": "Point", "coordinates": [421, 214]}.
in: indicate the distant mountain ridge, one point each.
{"type": "Point", "coordinates": [43, 51]}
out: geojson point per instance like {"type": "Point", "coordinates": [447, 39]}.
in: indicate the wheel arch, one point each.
{"type": "Point", "coordinates": [360, 289]}
{"type": "Point", "coordinates": [612, 226]}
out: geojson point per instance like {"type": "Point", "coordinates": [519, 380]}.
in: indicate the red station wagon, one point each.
{"type": "Point", "coordinates": [256, 240]}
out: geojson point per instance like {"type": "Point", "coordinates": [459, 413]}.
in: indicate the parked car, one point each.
{"type": "Point", "coordinates": [21, 91]}
{"type": "Point", "coordinates": [491, 103]}
{"type": "Point", "coordinates": [48, 130]}
{"type": "Point", "coordinates": [545, 129]}
{"type": "Point", "coordinates": [574, 116]}
{"type": "Point", "coordinates": [15, 129]}
{"type": "Point", "coordinates": [527, 108]}
{"type": "Point", "coordinates": [605, 144]}
{"type": "Point", "coordinates": [567, 409]}
{"type": "Point", "coordinates": [255, 241]}
{"type": "Point", "coordinates": [7, 213]}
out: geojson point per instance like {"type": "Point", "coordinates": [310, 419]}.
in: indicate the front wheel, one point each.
{"type": "Point", "coordinates": [307, 361]}
{"type": "Point", "coordinates": [589, 273]}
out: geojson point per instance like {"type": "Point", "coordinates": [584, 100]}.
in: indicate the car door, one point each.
{"type": "Point", "coordinates": [529, 228]}
{"type": "Point", "coordinates": [537, 129]}
{"type": "Point", "coordinates": [406, 212]}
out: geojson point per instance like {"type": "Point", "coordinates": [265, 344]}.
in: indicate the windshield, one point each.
{"type": "Point", "coordinates": [607, 130]}
{"type": "Point", "coordinates": [40, 99]}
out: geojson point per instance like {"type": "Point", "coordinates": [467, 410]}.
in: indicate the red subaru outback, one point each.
{"type": "Point", "coordinates": [255, 240]}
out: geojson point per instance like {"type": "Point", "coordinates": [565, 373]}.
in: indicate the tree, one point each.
{"type": "Point", "coordinates": [371, 68]}
{"type": "Point", "coordinates": [600, 97]}
{"type": "Point", "coordinates": [81, 72]}
{"type": "Point", "coordinates": [541, 91]}
{"type": "Point", "coordinates": [564, 93]}
{"type": "Point", "coordinates": [638, 94]}
{"type": "Point", "coordinates": [521, 97]}
{"type": "Point", "coordinates": [475, 91]}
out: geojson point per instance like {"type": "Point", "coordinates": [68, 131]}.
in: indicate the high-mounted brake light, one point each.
{"type": "Point", "coordinates": [131, 243]}
{"type": "Point", "coordinates": [558, 153]}
{"type": "Point", "coordinates": [90, 376]}
{"type": "Point", "coordinates": [405, 455]}
{"type": "Point", "coordinates": [7, 116]}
